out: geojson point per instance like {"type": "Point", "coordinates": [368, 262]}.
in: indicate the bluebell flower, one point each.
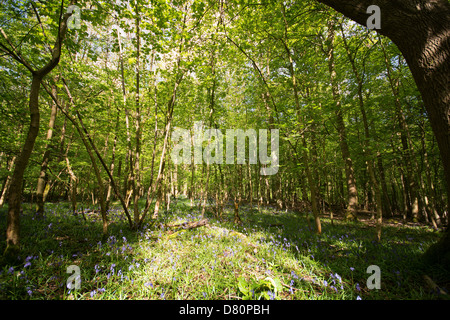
{"type": "Point", "coordinates": [358, 298]}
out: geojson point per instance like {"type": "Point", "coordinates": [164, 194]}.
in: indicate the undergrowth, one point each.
{"type": "Point", "coordinates": [271, 255]}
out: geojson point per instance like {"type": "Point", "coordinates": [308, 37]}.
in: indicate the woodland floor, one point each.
{"type": "Point", "coordinates": [271, 255]}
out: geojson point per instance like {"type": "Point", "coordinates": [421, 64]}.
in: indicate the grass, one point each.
{"type": "Point", "coordinates": [271, 255]}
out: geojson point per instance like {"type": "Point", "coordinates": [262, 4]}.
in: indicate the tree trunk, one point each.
{"type": "Point", "coordinates": [387, 206]}
{"type": "Point", "coordinates": [73, 186]}
{"type": "Point", "coordinates": [42, 180]}
{"type": "Point", "coordinates": [367, 147]}
{"type": "Point", "coordinates": [352, 193]}
{"type": "Point", "coordinates": [128, 162]}
{"type": "Point", "coordinates": [7, 183]}
{"type": "Point", "coordinates": [15, 189]}
{"type": "Point", "coordinates": [136, 166]}
{"type": "Point", "coordinates": [111, 166]}
{"type": "Point", "coordinates": [309, 174]}
{"type": "Point", "coordinates": [412, 201]}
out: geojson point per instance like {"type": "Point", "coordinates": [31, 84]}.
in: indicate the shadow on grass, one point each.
{"type": "Point", "coordinates": [344, 250]}
{"type": "Point", "coordinates": [348, 248]}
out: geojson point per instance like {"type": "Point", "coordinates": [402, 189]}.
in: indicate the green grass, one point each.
{"type": "Point", "coordinates": [220, 261]}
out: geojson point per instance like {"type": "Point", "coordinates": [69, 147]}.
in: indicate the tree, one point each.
{"type": "Point", "coordinates": [37, 74]}
{"type": "Point", "coordinates": [349, 171]}
{"type": "Point", "coordinates": [420, 29]}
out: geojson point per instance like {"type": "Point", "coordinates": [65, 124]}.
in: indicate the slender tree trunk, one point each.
{"type": "Point", "coordinates": [155, 137]}
{"type": "Point", "coordinates": [15, 189]}
{"type": "Point", "coordinates": [349, 171]}
{"type": "Point", "coordinates": [72, 186]}
{"type": "Point", "coordinates": [111, 167]}
{"type": "Point", "coordinates": [309, 174]}
{"type": "Point", "coordinates": [137, 153]}
{"type": "Point", "coordinates": [412, 207]}
{"type": "Point", "coordinates": [387, 206]}
{"type": "Point", "coordinates": [7, 183]}
{"type": "Point", "coordinates": [429, 189]}
{"type": "Point", "coordinates": [84, 138]}
{"type": "Point", "coordinates": [159, 178]}
{"type": "Point", "coordinates": [42, 180]}
{"type": "Point", "coordinates": [129, 176]}
{"type": "Point", "coordinates": [211, 113]}
{"type": "Point", "coordinates": [367, 147]}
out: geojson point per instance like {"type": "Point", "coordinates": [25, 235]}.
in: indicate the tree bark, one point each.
{"type": "Point", "coordinates": [7, 183]}
{"type": "Point", "coordinates": [15, 189]}
{"type": "Point", "coordinates": [73, 185]}
{"type": "Point", "coordinates": [42, 180]}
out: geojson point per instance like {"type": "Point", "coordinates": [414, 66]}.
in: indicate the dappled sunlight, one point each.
{"type": "Point", "coordinates": [207, 262]}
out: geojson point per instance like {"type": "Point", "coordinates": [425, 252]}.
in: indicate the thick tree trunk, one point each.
{"type": "Point", "coordinates": [420, 29]}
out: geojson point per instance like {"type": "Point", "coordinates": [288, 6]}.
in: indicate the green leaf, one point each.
{"type": "Point", "coordinates": [243, 286]}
